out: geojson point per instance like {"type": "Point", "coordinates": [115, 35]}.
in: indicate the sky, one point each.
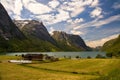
{"type": "Point", "coordinates": [96, 21]}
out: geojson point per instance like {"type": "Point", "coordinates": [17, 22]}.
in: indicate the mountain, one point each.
{"type": "Point", "coordinates": [9, 32]}
{"type": "Point", "coordinates": [32, 36]}
{"type": "Point", "coordinates": [112, 47]}
{"type": "Point", "coordinates": [12, 39]}
{"type": "Point", "coordinates": [8, 29]}
{"type": "Point", "coordinates": [74, 41]}
{"type": "Point", "coordinates": [34, 29]}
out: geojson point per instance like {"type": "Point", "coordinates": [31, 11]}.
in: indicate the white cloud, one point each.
{"type": "Point", "coordinates": [76, 32]}
{"type": "Point", "coordinates": [100, 42]}
{"type": "Point", "coordinates": [87, 2]}
{"type": "Point", "coordinates": [53, 3]}
{"type": "Point", "coordinates": [17, 9]}
{"type": "Point", "coordinates": [75, 7]}
{"type": "Point", "coordinates": [35, 7]}
{"type": "Point", "coordinates": [77, 11]}
{"type": "Point", "coordinates": [9, 6]}
{"type": "Point", "coordinates": [69, 21]}
{"type": "Point", "coordinates": [98, 23]}
{"type": "Point", "coordinates": [51, 30]}
{"type": "Point", "coordinates": [52, 19]}
{"type": "Point", "coordinates": [62, 16]}
{"type": "Point", "coordinates": [116, 6]}
{"type": "Point", "coordinates": [64, 11]}
{"type": "Point", "coordinates": [77, 20]}
{"type": "Point", "coordinates": [95, 3]}
{"type": "Point", "coordinates": [96, 12]}
{"type": "Point", "coordinates": [46, 18]}
{"type": "Point", "coordinates": [107, 21]}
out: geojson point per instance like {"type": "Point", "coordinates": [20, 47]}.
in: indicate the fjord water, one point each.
{"type": "Point", "coordinates": [84, 54]}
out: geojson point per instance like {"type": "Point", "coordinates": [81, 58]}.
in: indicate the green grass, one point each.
{"type": "Point", "coordinates": [83, 69]}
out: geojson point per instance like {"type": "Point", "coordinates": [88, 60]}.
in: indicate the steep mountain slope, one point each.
{"type": "Point", "coordinates": [8, 29]}
{"type": "Point", "coordinates": [112, 47]}
{"type": "Point", "coordinates": [8, 32]}
{"type": "Point", "coordinates": [32, 36]}
{"type": "Point", "coordinates": [74, 41]}
{"type": "Point", "coordinates": [34, 29]}
{"type": "Point", "coordinates": [13, 40]}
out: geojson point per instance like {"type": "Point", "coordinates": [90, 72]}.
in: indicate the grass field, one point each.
{"type": "Point", "coordinates": [66, 69]}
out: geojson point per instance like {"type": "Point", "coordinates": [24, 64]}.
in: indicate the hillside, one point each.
{"type": "Point", "coordinates": [34, 29]}
{"type": "Point", "coordinates": [37, 30]}
{"type": "Point", "coordinates": [112, 47]}
{"type": "Point", "coordinates": [12, 39]}
{"type": "Point", "coordinates": [8, 32]}
{"type": "Point", "coordinates": [32, 36]}
{"type": "Point", "coordinates": [73, 41]}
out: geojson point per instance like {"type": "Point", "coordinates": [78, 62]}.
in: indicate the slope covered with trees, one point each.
{"type": "Point", "coordinates": [112, 47]}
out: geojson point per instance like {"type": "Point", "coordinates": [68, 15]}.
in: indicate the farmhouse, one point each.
{"type": "Point", "coordinates": [39, 57]}
{"type": "Point", "coordinates": [33, 57]}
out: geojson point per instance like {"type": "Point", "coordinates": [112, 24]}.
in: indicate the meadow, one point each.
{"type": "Point", "coordinates": [64, 69]}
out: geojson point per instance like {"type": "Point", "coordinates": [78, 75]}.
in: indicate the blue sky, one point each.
{"type": "Point", "coordinates": [96, 21]}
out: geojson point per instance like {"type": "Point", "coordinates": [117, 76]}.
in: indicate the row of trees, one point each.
{"type": "Point", "coordinates": [88, 57]}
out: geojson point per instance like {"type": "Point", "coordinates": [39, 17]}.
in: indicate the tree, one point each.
{"type": "Point", "coordinates": [77, 57]}
{"type": "Point", "coordinates": [100, 56]}
{"type": "Point", "coordinates": [88, 57]}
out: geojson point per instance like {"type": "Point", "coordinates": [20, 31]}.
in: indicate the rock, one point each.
{"type": "Point", "coordinates": [8, 29]}
{"type": "Point", "coordinates": [36, 29]}
{"type": "Point", "coordinates": [70, 39]}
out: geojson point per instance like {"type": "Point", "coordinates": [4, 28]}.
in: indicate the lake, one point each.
{"type": "Point", "coordinates": [92, 54]}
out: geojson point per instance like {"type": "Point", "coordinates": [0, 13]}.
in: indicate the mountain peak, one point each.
{"type": "Point", "coordinates": [34, 29]}
{"type": "Point", "coordinates": [70, 39]}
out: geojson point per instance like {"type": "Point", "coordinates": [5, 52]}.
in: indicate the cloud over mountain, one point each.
{"type": "Point", "coordinates": [71, 16]}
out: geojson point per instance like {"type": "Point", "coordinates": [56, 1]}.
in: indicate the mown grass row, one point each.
{"type": "Point", "coordinates": [53, 70]}
{"type": "Point", "coordinates": [101, 66]}
{"type": "Point", "coordinates": [11, 71]}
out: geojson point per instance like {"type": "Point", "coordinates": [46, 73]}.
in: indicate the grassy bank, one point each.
{"type": "Point", "coordinates": [82, 69]}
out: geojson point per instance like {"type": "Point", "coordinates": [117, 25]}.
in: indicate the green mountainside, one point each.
{"type": "Point", "coordinates": [112, 47]}
{"type": "Point", "coordinates": [32, 36]}
{"type": "Point", "coordinates": [74, 42]}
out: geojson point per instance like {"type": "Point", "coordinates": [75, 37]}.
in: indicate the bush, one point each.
{"type": "Point", "coordinates": [100, 56]}
{"type": "Point", "coordinates": [109, 54]}
{"type": "Point", "coordinates": [88, 57]}
{"type": "Point", "coordinates": [77, 57]}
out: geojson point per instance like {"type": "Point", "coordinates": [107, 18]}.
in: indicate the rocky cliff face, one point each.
{"type": "Point", "coordinates": [70, 40]}
{"type": "Point", "coordinates": [8, 29]}
{"type": "Point", "coordinates": [34, 29]}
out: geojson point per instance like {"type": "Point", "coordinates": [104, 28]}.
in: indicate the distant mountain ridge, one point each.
{"type": "Point", "coordinates": [35, 29]}
{"type": "Point", "coordinates": [32, 36]}
{"type": "Point", "coordinates": [70, 40]}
